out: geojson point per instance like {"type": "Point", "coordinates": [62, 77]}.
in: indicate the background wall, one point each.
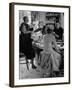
{"type": "Point", "coordinates": [4, 44]}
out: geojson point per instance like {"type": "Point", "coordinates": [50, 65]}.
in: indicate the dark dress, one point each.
{"type": "Point", "coordinates": [26, 44]}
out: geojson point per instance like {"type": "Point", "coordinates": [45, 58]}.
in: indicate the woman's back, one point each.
{"type": "Point", "coordinates": [48, 39]}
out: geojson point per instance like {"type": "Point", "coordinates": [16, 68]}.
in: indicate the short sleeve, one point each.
{"type": "Point", "coordinates": [22, 27]}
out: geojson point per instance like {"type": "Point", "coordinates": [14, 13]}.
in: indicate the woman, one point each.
{"type": "Point", "coordinates": [26, 41]}
{"type": "Point", "coordinates": [38, 35]}
{"type": "Point", "coordinates": [49, 57]}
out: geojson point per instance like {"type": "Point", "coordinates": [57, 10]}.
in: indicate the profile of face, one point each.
{"type": "Point", "coordinates": [40, 25]}
{"type": "Point", "coordinates": [51, 27]}
{"type": "Point", "coordinates": [25, 19]}
{"type": "Point", "coordinates": [57, 25]}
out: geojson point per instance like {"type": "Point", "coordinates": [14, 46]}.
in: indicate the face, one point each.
{"type": "Point", "coordinates": [57, 25]}
{"type": "Point", "coordinates": [26, 20]}
{"type": "Point", "coordinates": [51, 27]}
{"type": "Point", "coordinates": [40, 24]}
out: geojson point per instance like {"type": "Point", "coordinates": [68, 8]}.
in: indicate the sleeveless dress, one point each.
{"type": "Point", "coordinates": [49, 56]}
{"type": "Point", "coordinates": [26, 44]}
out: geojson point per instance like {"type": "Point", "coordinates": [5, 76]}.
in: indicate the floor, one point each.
{"type": "Point", "coordinates": [24, 73]}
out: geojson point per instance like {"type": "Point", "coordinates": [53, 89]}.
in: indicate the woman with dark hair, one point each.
{"type": "Point", "coordinates": [49, 56]}
{"type": "Point", "coordinates": [26, 41]}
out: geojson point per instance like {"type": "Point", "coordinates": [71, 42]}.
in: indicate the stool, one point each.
{"type": "Point", "coordinates": [22, 58]}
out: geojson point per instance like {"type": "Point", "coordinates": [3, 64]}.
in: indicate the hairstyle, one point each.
{"type": "Point", "coordinates": [24, 18]}
{"type": "Point", "coordinates": [48, 30]}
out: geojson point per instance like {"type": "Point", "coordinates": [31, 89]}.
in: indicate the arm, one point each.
{"type": "Point", "coordinates": [55, 45]}
{"type": "Point", "coordinates": [28, 32]}
{"type": "Point", "coordinates": [55, 34]}
{"type": "Point", "coordinates": [25, 30]}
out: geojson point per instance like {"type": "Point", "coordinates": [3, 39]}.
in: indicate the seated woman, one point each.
{"type": "Point", "coordinates": [49, 58]}
{"type": "Point", "coordinates": [38, 33]}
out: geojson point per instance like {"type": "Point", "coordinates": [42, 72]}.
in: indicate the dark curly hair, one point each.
{"type": "Point", "coordinates": [24, 18]}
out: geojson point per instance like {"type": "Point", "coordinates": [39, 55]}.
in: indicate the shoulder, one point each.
{"type": "Point", "coordinates": [22, 24]}
{"type": "Point", "coordinates": [48, 36]}
{"type": "Point", "coordinates": [52, 36]}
